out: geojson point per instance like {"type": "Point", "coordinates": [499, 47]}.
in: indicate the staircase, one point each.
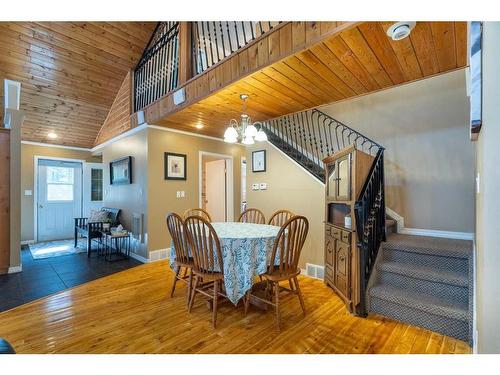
{"type": "Point", "coordinates": [423, 281]}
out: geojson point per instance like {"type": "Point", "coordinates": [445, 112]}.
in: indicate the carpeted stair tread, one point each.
{"type": "Point", "coordinates": [429, 245]}
{"type": "Point", "coordinates": [425, 273]}
{"type": "Point", "coordinates": [420, 301]}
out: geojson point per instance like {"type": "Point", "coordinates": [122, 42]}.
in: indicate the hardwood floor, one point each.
{"type": "Point", "coordinates": [131, 312]}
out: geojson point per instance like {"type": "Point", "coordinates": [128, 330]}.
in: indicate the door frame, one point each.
{"type": "Point", "coordinates": [229, 181]}
{"type": "Point", "coordinates": [35, 188]}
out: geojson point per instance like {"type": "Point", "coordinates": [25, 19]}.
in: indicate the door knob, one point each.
{"type": "Point", "coordinates": [41, 206]}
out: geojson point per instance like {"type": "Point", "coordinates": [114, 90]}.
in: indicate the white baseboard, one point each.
{"type": "Point", "coordinates": [15, 269]}
{"type": "Point", "coordinates": [27, 242]}
{"type": "Point", "coordinates": [154, 255]}
{"type": "Point", "coordinates": [139, 257]}
{"type": "Point", "coordinates": [400, 220]}
{"type": "Point", "coordinates": [437, 233]}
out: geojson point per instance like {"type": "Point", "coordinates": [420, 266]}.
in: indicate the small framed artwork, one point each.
{"type": "Point", "coordinates": [120, 171]}
{"type": "Point", "coordinates": [259, 161]}
{"type": "Point", "coordinates": [175, 166]}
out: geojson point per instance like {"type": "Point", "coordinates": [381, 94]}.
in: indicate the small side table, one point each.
{"type": "Point", "coordinates": [119, 242]}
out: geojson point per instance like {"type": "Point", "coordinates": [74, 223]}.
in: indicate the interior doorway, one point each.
{"type": "Point", "coordinates": [216, 185]}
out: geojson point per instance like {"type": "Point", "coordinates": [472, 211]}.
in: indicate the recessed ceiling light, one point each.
{"type": "Point", "coordinates": [52, 135]}
{"type": "Point", "coordinates": [400, 30]}
{"type": "Point", "coordinates": [199, 126]}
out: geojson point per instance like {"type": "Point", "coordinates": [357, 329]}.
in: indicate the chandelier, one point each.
{"type": "Point", "coordinates": [246, 131]}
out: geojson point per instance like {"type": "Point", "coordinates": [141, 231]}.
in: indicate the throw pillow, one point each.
{"type": "Point", "coordinates": [98, 216]}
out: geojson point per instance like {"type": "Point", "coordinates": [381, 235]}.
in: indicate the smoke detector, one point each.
{"type": "Point", "coordinates": [400, 30]}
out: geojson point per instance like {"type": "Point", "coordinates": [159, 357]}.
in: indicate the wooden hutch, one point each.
{"type": "Point", "coordinates": [346, 172]}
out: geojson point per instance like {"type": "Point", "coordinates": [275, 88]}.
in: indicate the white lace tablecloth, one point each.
{"type": "Point", "coordinates": [246, 249]}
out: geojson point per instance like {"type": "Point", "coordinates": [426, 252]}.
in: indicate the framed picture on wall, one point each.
{"type": "Point", "coordinates": [259, 161]}
{"type": "Point", "coordinates": [120, 171]}
{"type": "Point", "coordinates": [175, 166]}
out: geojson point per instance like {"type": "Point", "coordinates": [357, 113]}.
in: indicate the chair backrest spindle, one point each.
{"type": "Point", "coordinates": [252, 215]}
{"type": "Point", "coordinates": [175, 226]}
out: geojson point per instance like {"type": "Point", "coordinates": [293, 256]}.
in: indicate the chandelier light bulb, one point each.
{"type": "Point", "coordinates": [230, 133]}
{"type": "Point", "coordinates": [250, 131]}
{"type": "Point", "coordinates": [248, 140]}
{"type": "Point", "coordinates": [261, 136]}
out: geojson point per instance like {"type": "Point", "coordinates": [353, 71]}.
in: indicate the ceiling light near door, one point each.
{"type": "Point", "coordinates": [199, 126]}
{"type": "Point", "coordinates": [400, 30]}
{"type": "Point", "coordinates": [246, 130]}
{"type": "Point", "coordinates": [52, 135]}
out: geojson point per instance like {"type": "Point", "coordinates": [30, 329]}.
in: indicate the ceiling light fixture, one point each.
{"type": "Point", "coordinates": [400, 30]}
{"type": "Point", "coordinates": [246, 131]}
{"type": "Point", "coordinates": [52, 135]}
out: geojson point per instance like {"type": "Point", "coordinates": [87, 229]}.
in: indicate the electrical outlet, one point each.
{"type": "Point", "coordinates": [263, 186]}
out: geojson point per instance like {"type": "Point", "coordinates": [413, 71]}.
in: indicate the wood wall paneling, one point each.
{"type": "Point", "coordinates": [4, 200]}
{"type": "Point", "coordinates": [70, 73]}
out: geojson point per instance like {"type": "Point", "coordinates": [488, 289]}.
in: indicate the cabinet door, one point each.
{"type": "Point", "coordinates": [342, 270]}
{"type": "Point", "coordinates": [344, 178]}
{"type": "Point", "coordinates": [331, 184]}
{"type": "Point", "coordinates": [329, 249]}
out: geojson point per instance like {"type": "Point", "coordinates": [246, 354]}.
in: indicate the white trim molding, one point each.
{"type": "Point", "coordinates": [153, 256]}
{"type": "Point", "coordinates": [15, 269]}
{"type": "Point", "coordinates": [137, 129]}
{"type": "Point", "coordinates": [27, 242]}
{"type": "Point", "coordinates": [56, 146]}
{"type": "Point", "coordinates": [437, 233]}
{"type": "Point", "coordinates": [400, 220]}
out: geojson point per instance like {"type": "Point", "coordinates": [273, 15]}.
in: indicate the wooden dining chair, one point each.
{"type": "Point", "coordinates": [286, 253]}
{"type": "Point", "coordinates": [280, 217]}
{"type": "Point", "coordinates": [208, 263]}
{"type": "Point", "coordinates": [175, 226]}
{"type": "Point", "coordinates": [197, 212]}
{"type": "Point", "coordinates": [252, 215]}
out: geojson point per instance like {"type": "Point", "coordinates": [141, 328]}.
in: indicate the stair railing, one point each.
{"type": "Point", "coordinates": [215, 40]}
{"type": "Point", "coordinates": [157, 72]}
{"type": "Point", "coordinates": [369, 212]}
{"type": "Point", "coordinates": [310, 136]}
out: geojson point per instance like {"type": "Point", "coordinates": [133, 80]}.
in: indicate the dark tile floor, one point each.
{"type": "Point", "coordinates": [41, 277]}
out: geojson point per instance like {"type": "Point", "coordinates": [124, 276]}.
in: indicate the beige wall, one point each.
{"type": "Point", "coordinates": [488, 202]}
{"type": "Point", "coordinates": [429, 158]}
{"type": "Point", "coordinates": [28, 153]}
{"type": "Point", "coordinates": [130, 198]}
{"type": "Point", "coordinates": [289, 187]}
{"type": "Point", "coordinates": [162, 193]}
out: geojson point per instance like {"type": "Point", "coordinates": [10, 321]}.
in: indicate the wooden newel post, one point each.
{"type": "Point", "coordinates": [185, 52]}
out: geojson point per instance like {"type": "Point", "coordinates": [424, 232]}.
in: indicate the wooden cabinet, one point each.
{"type": "Point", "coordinates": [347, 172]}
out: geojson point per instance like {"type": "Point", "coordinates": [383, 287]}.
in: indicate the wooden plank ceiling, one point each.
{"type": "Point", "coordinates": [70, 73]}
{"type": "Point", "coordinates": [359, 60]}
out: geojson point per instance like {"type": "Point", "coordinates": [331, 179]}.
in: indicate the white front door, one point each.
{"type": "Point", "coordinates": [215, 189]}
{"type": "Point", "coordinates": [59, 198]}
{"type": "Point", "coordinates": [93, 185]}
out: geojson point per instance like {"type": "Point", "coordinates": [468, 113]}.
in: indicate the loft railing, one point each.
{"type": "Point", "coordinates": [310, 136]}
{"type": "Point", "coordinates": [215, 40]}
{"type": "Point", "coordinates": [157, 72]}
{"type": "Point", "coordinates": [370, 223]}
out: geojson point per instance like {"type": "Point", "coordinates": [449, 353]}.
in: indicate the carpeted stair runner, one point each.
{"type": "Point", "coordinates": [427, 282]}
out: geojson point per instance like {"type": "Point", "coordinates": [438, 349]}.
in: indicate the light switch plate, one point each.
{"type": "Point", "coordinates": [255, 186]}
{"type": "Point", "coordinates": [183, 194]}
{"type": "Point", "coordinates": [28, 192]}
{"type": "Point", "coordinates": [178, 194]}
{"type": "Point", "coordinates": [263, 186]}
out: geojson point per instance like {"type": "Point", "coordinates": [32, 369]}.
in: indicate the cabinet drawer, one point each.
{"type": "Point", "coordinates": [341, 259]}
{"type": "Point", "coordinates": [346, 237]}
{"type": "Point", "coordinates": [329, 250]}
{"type": "Point", "coordinates": [341, 284]}
{"type": "Point", "coordinates": [336, 233]}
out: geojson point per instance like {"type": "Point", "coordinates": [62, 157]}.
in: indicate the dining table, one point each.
{"type": "Point", "coordinates": [246, 251]}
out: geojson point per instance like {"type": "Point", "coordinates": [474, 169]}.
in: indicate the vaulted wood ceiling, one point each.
{"type": "Point", "coordinates": [70, 73]}
{"type": "Point", "coordinates": [359, 60]}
